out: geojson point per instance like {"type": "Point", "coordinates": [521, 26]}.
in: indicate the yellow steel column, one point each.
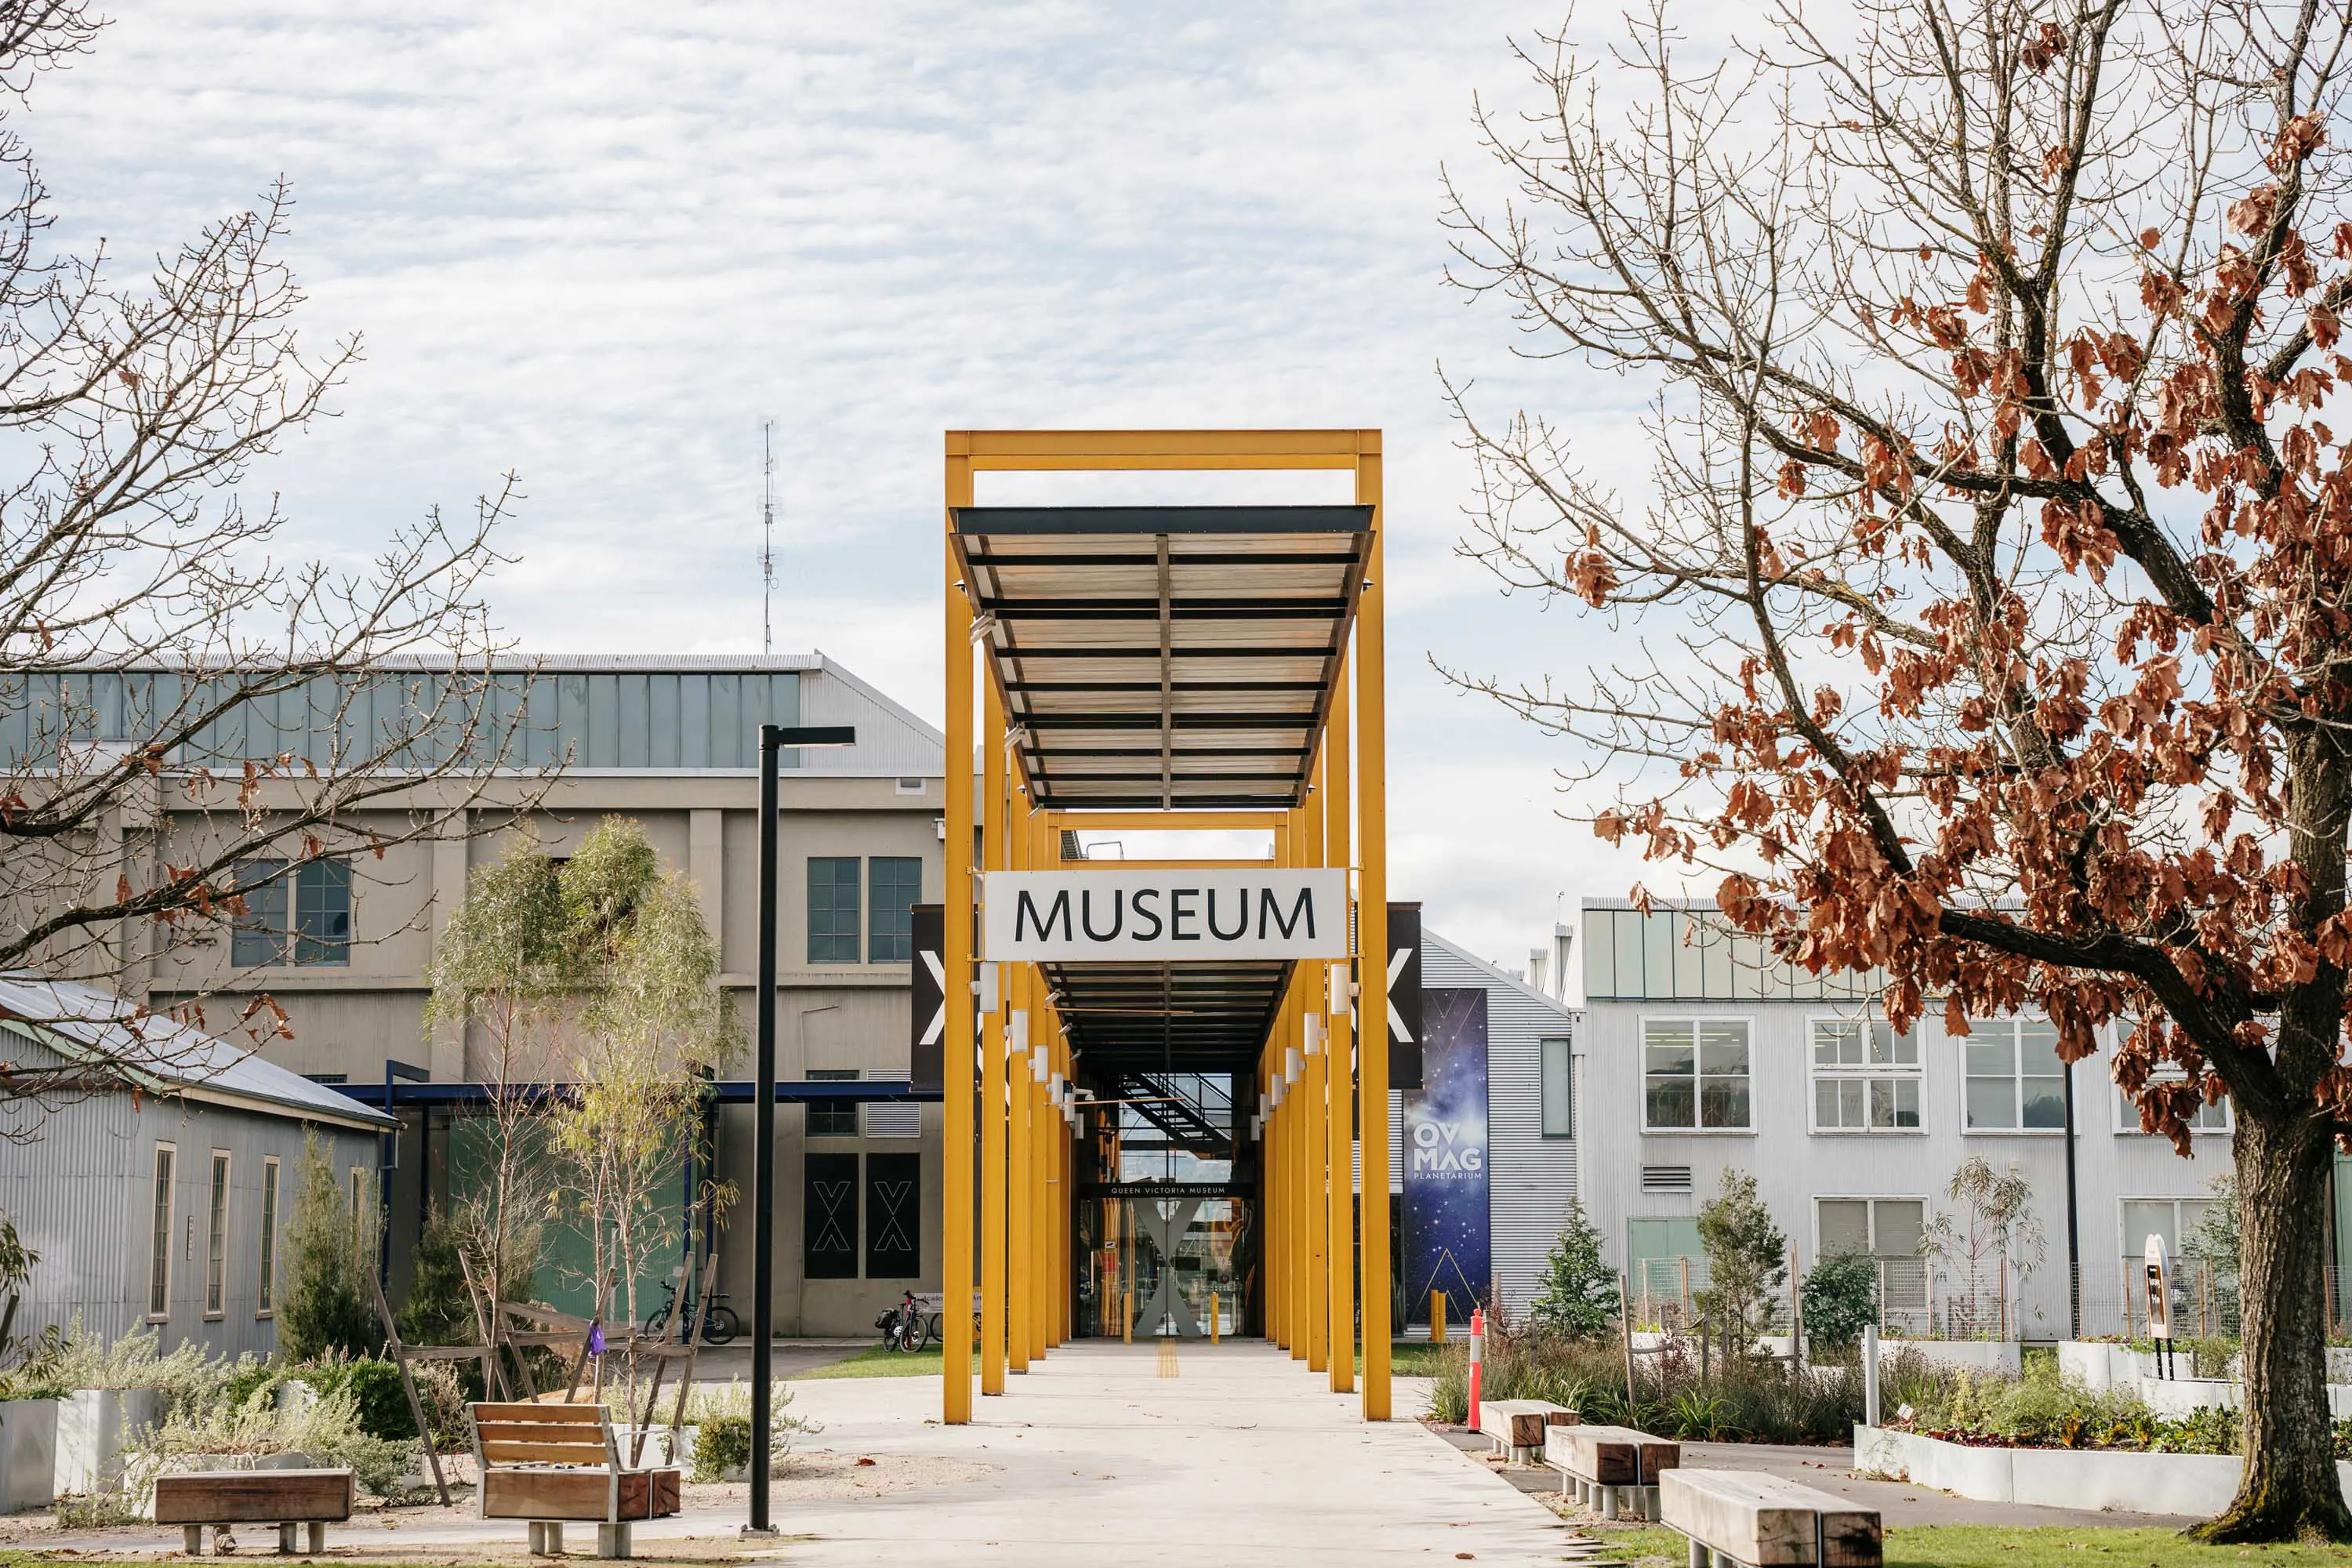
{"type": "Point", "coordinates": [1372, 928]}
{"type": "Point", "coordinates": [1318, 1211]}
{"type": "Point", "coordinates": [1277, 1169]}
{"type": "Point", "coordinates": [1043, 1127]}
{"type": "Point", "coordinates": [1019, 1215]}
{"type": "Point", "coordinates": [1339, 1229]}
{"type": "Point", "coordinates": [992, 1261]}
{"type": "Point", "coordinates": [955, 1045]}
{"type": "Point", "coordinates": [1302, 1345]}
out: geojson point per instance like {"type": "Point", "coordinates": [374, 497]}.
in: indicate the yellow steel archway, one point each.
{"type": "Point", "coordinates": [1165, 667]}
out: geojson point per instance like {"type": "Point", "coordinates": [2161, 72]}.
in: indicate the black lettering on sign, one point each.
{"type": "Point", "coordinates": [1179, 911]}
{"type": "Point", "coordinates": [1303, 910]}
{"type": "Point", "coordinates": [1241, 926]}
{"type": "Point", "coordinates": [1024, 915]}
{"type": "Point", "coordinates": [1142, 914]}
{"type": "Point", "coordinates": [1118, 915]}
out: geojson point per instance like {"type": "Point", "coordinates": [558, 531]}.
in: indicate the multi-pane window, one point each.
{"type": "Point", "coordinates": [832, 909]}
{"type": "Point", "coordinates": [298, 916]}
{"type": "Point", "coordinates": [2213, 1118]}
{"type": "Point", "coordinates": [266, 1296]}
{"type": "Point", "coordinates": [1865, 1076]}
{"type": "Point", "coordinates": [2174, 1219]}
{"type": "Point", "coordinates": [1557, 1067]}
{"type": "Point", "coordinates": [2015, 1082]}
{"type": "Point", "coordinates": [1695, 1074]}
{"type": "Point", "coordinates": [1886, 1230]}
{"type": "Point", "coordinates": [832, 1118]}
{"type": "Point", "coordinates": [159, 1255]}
{"type": "Point", "coordinates": [216, 1238]}
{"type": "Point", "coordinates": [893, 886]}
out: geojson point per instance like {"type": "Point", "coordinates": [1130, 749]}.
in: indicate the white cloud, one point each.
{"type": "Point", "coordinates": [596, 243]}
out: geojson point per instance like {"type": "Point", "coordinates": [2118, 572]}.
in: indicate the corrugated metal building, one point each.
{"type": "Point", "coordinates": [160, 1196]}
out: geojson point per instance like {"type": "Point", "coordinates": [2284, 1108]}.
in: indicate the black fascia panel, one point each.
{"type": "Point", "coordinates": [1155, 520]}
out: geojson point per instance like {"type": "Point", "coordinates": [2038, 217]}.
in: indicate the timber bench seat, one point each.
{"type": "Point", "coordinates": [1745, 1518]}
{"type": "Point", "coordinates": [1611, 1468]}
{"type": "Point", "coordinates": [194, 1499]}
{"type": "Point", "coordinates": [550, 1464]}
{"type": "Point", "coordinates": [1517, 1426]}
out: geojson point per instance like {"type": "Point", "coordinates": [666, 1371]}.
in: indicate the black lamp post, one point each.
{"type": "Point", "coordinates": [773, 738]}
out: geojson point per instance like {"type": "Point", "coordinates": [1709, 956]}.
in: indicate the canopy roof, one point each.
{"type": "Point", "coordinates": [1164, 657]}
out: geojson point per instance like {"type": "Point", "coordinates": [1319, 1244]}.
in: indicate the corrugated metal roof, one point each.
{"type": "Point", "coordinates": [74, 1017]}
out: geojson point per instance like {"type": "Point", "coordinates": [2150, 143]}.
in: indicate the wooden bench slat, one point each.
{"type": "Point", "coordinates": [553, 1414]}
{"type": "Point", "coordinates": [590, 1434]}
{"type": "Point", "coordinates": [1770, 1521]}
{"type": "Point", "coordinates": [519, 1453]}
{"type": "Point", "coordinates": [580, 1496]}
{"type": "Point", "coordinates": [254, 1497]}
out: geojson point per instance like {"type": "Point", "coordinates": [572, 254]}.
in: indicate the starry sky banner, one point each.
{"type": "Point", "coordinates": [1446, 1235]}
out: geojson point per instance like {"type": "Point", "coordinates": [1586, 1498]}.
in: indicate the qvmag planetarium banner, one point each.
{"type": "Point", "coordinates": [1445, 1237]}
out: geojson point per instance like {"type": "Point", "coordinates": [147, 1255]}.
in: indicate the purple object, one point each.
{"type": "Point", "coordinates": [595, 1338]}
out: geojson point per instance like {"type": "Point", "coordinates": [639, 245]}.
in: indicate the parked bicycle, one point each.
{"type": "Point", "coordinates": [904, 1327]}
{"type": "Point", "coordinates": [720, 1324]}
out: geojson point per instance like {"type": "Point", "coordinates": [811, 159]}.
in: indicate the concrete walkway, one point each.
{"type": "Point", "coordinates": [1095, 1456]}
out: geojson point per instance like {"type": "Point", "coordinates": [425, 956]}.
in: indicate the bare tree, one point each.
{"type": "Point", "coordinates": [175, 700]}
{"type": "Point", "coordinates": [2002, 557]}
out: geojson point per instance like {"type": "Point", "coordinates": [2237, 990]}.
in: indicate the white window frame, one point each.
{"type": "Point", "coordinates": [1641, 1076]}
{"type": "Point", "coordinates": [1916, 1073]}
{"type": "Point", "coordinates": [266, 1263]}
{"type": "Point", "coordinates": [2136, 1248]}
{"type": "Point", "coordinates": [219, 1183]}
{"type": "Point", "coordinates": [1873, 1199]}
{"type": "Point", "coordinates": [2016, 1076]}
{"type": "Point", "coordinates": [163, 1206]}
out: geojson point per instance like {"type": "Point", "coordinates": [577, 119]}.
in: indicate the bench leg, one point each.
{"type": "Point", "coordinates": [1699, 1556]}
{"type": "Point", "coordinates": [554, 1536]}
{"type": "Point", "coordinates": [192, 1540]}
{"type": "Point", "coordinates": [613, 1539]}
{"type": "Point", "coordinates": [318, 1539]}
{"type": "Point", "coordinates": [286, 1540]}
{"type": "Point", "coordinates": [1609, 1503]}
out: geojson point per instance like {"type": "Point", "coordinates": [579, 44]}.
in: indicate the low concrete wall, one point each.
{"type": "Point", "coordinates": [1981, 1355]}
{"type": "Point", "coordinates": [2179, 1396]}
{"type": "Point", "coordinates": [93, 1426]}
{"type": "Point", "coordinates": [2096, 1364]}
{"type": "Point", "coordinates": [2057, 1477]}
{"type": "Point", "coordinates": [28, 1453]}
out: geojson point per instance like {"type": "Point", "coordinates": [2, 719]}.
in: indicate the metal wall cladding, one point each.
{"type": "Point", "coordinates": [83, 1198]}
{"type": "Point", "coordinates": [1531, 1179]}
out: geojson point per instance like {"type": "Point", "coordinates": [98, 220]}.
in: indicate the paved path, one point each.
{"type": "Point", "coordinates": [1095, 1456]}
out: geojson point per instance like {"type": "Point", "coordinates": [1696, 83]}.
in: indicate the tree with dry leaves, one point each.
{"type": "Point", "coordinates": [176, 700]}
{"type": "Point", "coordinates": [1999, 533]}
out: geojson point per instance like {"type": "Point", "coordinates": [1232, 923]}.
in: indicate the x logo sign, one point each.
{"type": "Point", "coordinates": [938, 1024]}
{"type": "Point", "coordinates": [1397, 962]}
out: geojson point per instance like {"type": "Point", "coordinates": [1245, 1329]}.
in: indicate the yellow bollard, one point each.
{"type": "Point", "coordinates": [1212, 1317]}
{"type": "Point", "coordinates": [1127, 1316]}
{"type": "Point", "coordinates": [1437, 1316]}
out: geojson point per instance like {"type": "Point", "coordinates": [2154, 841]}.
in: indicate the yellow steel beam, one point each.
{"type": "Point", "coordinates": [1115, 449]}
{"type": "Point", "coordinates": [1019, 1214]}
{"type": "Point", "coordinates": [1372, 929]}
{"type": "Point", "coordinates": [1317, 1214]}
{"type": "Point", "coordinates": [993, 1300]}
{"type": "Point", "coordinates": [956, 1134]}
{"type": "Point", "coordinates": [1339, 1226]}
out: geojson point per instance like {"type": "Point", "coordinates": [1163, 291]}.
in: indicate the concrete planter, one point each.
{"type": "Point", "coordinates": [2056, 1478]}
{"type": "Point", "coordinates": [2095, 1364]}
{"type": "Point", "coordinates": [94, 1425]}
{"type": "Point", "coordinates": [2179, 1396]}
{"type": "Point", "coordinates": [29, 1454]}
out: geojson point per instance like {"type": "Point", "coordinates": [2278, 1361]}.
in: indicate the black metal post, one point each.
{"type": "Point", "coordinates": [763, 1137]}
{"type": "Point", "coordinates": [773, 740]}
{"type": "Point", "coordinates": [2073, 1227]}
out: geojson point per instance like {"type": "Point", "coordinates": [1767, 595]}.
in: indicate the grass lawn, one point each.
{"type": "Point", "coordinates": [1408, 1358]}
{"type": "Point", "coordinates": [876, 1362]}
{"type": "Point", "coordinates": [1991, 1546]}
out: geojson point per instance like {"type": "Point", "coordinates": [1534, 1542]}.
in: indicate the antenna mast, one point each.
{"type": "Point", "coordinates": [767, 537]}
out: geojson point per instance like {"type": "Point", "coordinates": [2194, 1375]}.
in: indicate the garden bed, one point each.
{"type": "Point", "coordinates": [2128, 1480]}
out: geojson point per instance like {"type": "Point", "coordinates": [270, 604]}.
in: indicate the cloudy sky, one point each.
{"type": "Point", "coordinates": [598, 244]}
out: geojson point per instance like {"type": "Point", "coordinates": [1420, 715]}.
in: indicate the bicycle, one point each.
{"type": "Point", "coordinates": [720, 1324]}
{"type": "Point", "coordinates": [904, 1326]}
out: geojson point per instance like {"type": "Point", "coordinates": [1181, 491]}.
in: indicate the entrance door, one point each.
{"type": "Point", "coordinates": [1161, 1266]}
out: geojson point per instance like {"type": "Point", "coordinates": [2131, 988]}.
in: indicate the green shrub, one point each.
{"type": "Point", "coordinates": [1577, 1296]}
{"type": "Point", "coordinates": [723, 1421]}
{"type": "Point", "coordinates": [438, 1309]}
{"type": "Point", "coordinates": [1840, 1299]}
{"type": "Point", "coordinates": [326, 1306]}
{"type": "Point", "coordinates": [378, 1400]}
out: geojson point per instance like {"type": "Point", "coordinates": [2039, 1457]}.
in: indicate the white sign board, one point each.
{"type": "Point", "coordinates": [1138, 916]}
{"type": "Point", "coordinates": [2159, 1292]}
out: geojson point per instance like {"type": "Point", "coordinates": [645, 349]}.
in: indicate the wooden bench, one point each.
{"type": "Point", "coordinates": [1599, 1466]}
{"type": "Point", "coordinates": [547, 1463]}
{"type": "Point", "coordinates": [1756, 1520]}
{"type": "Point", "coordinates": [195, 1499]}
{"type": "Point", "coordinates": [1517, 1426]}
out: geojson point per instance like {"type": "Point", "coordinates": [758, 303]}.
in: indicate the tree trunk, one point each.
{"type": "Point", "coordinates": [2289, 1490]}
